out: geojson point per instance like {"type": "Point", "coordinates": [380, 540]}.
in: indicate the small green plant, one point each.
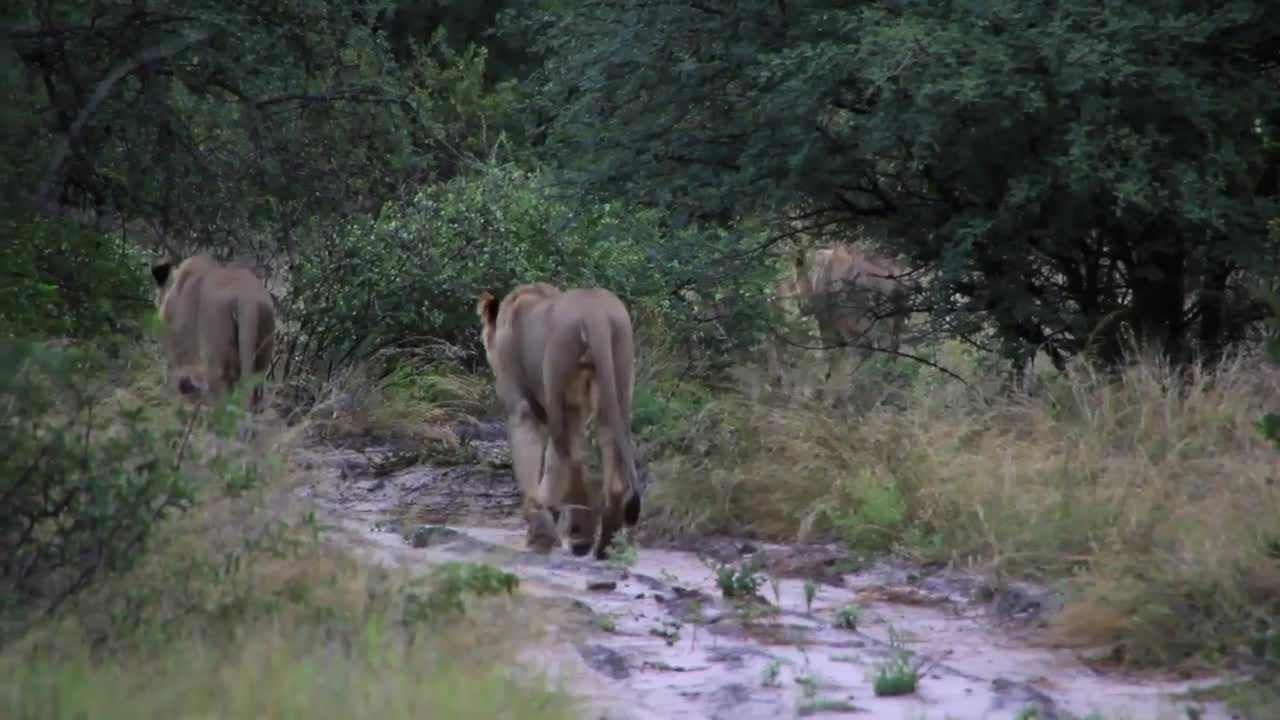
{"type": "Point", "coordinates": [449, 583]}
{"type": "Point", "coordinates": [846, 618]}
{"type": "Point", "coordinates": [742, 580]}
{"type": "Point", "coordinates": [808, 686]}
{"type": "Point", "coordinates": [622, 552]}
{"type": "Point", "coordinates": [771, 672]}
{"type": "Point", "coordinates": [810, 591]}
{"type": "Point", "coordinates": [604, 622]}
{"type": "Point", "coordinates": [1030, 712]}
{"type": "Point", "coordinates": [896, 676]}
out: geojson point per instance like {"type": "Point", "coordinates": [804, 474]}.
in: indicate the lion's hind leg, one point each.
{"type": "Point", "coordinates": [527, 438]}
{"type": "Point", "coordinates": [564, 481]}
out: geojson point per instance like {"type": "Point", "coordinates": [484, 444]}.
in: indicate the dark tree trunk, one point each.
{"type": "Point", "coordinates": [1213, 325]}
{"type": "Point", "coordinates": [1159, 293]}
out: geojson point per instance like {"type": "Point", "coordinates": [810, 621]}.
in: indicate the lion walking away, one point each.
{"type": "Point", "coordinates": [218, 326]}
{"type": "Point", "coordinates": [859, 302]}
{"type": "Point", "coordinates": [559, 357]}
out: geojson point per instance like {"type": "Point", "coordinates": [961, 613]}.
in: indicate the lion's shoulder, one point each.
{"type": "Point", "coordinates": [527, 296]}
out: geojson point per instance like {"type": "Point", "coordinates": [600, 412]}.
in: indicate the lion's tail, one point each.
{"type": "Point", "coordinates": [600, 331]}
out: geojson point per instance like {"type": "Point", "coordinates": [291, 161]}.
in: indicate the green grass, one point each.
{"type": "Point", "coordinates": [244, 606]}
{"type": "Point", "coordinates": [303, 632]}
{"type": "Point", "coordinates": [284, 664]}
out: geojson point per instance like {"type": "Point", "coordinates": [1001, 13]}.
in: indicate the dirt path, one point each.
{"type": "Point", "coordinates": [658, 640]}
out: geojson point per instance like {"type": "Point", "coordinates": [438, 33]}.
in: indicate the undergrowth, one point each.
{"type": "Point", "coordinates": [1146, 496]}
{"type": "Point", "coordinates": [1152, 501]}
{"type": "Point", "coordinates": [239, 604]}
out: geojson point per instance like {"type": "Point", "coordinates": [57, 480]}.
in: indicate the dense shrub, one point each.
{"type": "Point", "coordinates": [414, 272]}
{"type": "Point", "coordinates": [61, 280]}
{"type": "Point", "coordinates": [85, 475]}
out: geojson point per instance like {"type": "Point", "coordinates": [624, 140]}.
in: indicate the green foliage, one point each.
{"type": "Point", "coordinates": [895, 676]}
{"type": "Point", "coordinates": [84, 482]}
{"type": "Point", "coordinates": [450, 583]}
{"type": "Point", "coordinates": [414, 274]}
{"type": "Point", "coordinates": [285, 629]}
{"type": "Point", "coordinates": [1270, 423]}
{"type": "Point", "coordinates": [622, 550]}
{"type": "Point", "coordinates": [60, 280]}
{"type": "Point", "coordinates": [468, 23]}
{"type": "Point", "coordinates": [742, 580]}
{"type": "Point", "coordinates": [662, 415]}
{"type": "Point", "coordinates": [876, 515]}
{"type": "Point", "coordinates": [1070, 174]}
{"type": "Point", "coordinates": [231, 125]}
{"type": "Point", "coordinates": [847, 617]}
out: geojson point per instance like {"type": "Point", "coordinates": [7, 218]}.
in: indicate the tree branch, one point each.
{"type": "Point", "coordinates": [100, 93]}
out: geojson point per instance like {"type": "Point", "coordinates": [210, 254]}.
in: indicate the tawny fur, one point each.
{"type": "Point", "coordinates": [560, 357]}
{"type": "Point", "coordinates": [218, 326]}
{"type": "Point", "coordinates": [856, 300]}
{"type": "Point", "coordinates": [706, 311]}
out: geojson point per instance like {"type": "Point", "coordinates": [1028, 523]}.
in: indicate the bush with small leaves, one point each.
{"type": "Point", "coordinates": [84, 480]}
{"type": "Point", "coordinates": [742, 580]}
{"type": "Point", "coordinates": [411, 276]}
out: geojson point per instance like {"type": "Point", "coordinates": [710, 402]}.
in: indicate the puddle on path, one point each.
{"type": "Point", "coordinates": [658, 641]}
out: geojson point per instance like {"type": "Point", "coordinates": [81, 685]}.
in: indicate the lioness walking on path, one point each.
{"type": "Point", "coordinates": [559, 357]}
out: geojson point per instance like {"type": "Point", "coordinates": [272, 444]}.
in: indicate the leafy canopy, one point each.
{"type": "Point", "coordinates": [1071, 173]}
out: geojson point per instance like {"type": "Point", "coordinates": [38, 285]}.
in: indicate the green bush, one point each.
{"type": "Point", "coordinates": [85, 477]}
{"type": "Point", "coordinates": [412, 275]}
{"type": "Point", "coordinates": [61, 280]}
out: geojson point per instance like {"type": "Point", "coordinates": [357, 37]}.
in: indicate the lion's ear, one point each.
{"type": "Point", "coordinates": [160, 270]}
{"type": "Point", "coordinates": [487, 307]}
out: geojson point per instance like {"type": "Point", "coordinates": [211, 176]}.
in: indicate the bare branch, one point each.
{"type": "Point", "coordinates": [100, 93]}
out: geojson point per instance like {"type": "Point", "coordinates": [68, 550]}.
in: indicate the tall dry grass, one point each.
{"type": "Point", "coordinates": [403, 395]}
{"type": "Point", "coordinates": [1152, 498]}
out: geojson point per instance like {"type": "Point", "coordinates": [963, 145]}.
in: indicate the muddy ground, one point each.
{"type": "Point", "coordinates": [658, 640]}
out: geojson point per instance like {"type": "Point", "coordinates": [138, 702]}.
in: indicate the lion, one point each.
{"type": "Point", "coordinates": [218, 326]}
{"type": "Point", "coordinates": [854, 297]}
{"type": "Point", "coordinates": [559, 357]}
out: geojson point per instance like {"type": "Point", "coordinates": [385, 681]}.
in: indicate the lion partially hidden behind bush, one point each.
{"type": "Point", "coordinates": [218, 327]}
